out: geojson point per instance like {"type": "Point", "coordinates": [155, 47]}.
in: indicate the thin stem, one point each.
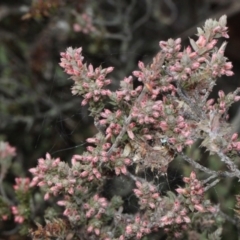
{"type": "Point", "coordinates": [3, 193]}
{"type": "Point", "coordinates": [207, 170]}
{"type": "Point", "coordinates": [228, 218]}
{"type": "Point", "coordinates": [194, 109]}
{"type": "Point", "coordinates": [124, 129]}
{"type": "Point", "coordinates": [208, 179]}
{"type": "Point", "coordinates": [211, 184]}
{"type": "Point", "coordinates": [197, 165]}
{"type": "Point", "coordinates": [229, 163]}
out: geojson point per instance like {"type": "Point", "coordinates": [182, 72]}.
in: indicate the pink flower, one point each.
{"type": "Point", "coordinates": [234, 137]}
{"type": "Point", "coordinates": [4, 217]}
{"type": "Point", "coordinates": [193, 175]}
{"type": "Point", "coordinates": [137, 192]}
{"type": "Point", "coordinates": [22, 184]}
{"type": "Point", "coordinates": [129, 229]}
{"type": "Point", "coordinates": [152, 205]}
{"type": "Point", "coordinates": [46, 196]}
{"type": "Point", "coordinates": [97, 231]}
{"type": "Point", "coordinates": [199, 208]}
{"type": "Point", "coordinates": [130, 134]}
{"type": "Point", "coordinates": [155, 195]}
{"type": "Point", "coordinates": [90, 228]}
{"type": "Point", "coordinates": [189, 142]}
{"type": "Point", "coordinates": [18, 218]}
{"type": "Point", "coordinates": [187, 219]}
{"type": "Point", "coordinates": [6, 150]}
{"type": "Point", "coordinates": [138, 184]}
{"type": "Point", "coordinates": [163, 125]}
{"type": "Point", "coordinates": [179, 148]}
{"type": "Point", "coordinates": [124, 170]}
{"type": "Point", "coordinates": [182, 191]}
{"type": "Point", "coordinates": [221, 94]}
{"type": "Point", "coordinates": [201, 42]}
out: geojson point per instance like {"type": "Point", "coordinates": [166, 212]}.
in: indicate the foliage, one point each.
{"type": "Point", "coordinates": [139, 129]}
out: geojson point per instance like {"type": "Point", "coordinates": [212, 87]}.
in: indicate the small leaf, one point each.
{"type": "Point", "coordinates": [171, 195]}
{"type": "Point", "coordinates": [127, 150]}
{"type": "Point", "coordinates": [191, 208]}
{"type": "Point", "coordinates": [130, 134]}
{"type": "Point", "coordinates": [215, 235]}
{"type": "Point", "coordinates": [223, 20]}
{"type": "Point", "coordinates": [200, 31]}
{"type": "Point", "coordinates": [194, 45]}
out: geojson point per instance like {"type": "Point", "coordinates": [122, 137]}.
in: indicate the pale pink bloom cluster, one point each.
{"type": "Point", "coordinates": [194, 191]}
{"type": "Point", "coordinates": [149, 112]}
{"type": "Point", "coordinates": [22, 211]}
{"type": "Point", "coordinates": [147, 195]}
{"type": "Point", "coordinates": [54, 176]}
{"type": "Point", "coordinates": [6, 150]}
{"type": "Point", "coordinates": [188, 64]}
{"type": "Point", "coordinates": [203, 43]}
{"type": "Point", "coordinates": [234, 143]}
{"type": "Point", "coordinates": [84, 24]}
{"type": "Point", "coordinates": [5, 211]}
{"type": "Point", "coordinates": [159, 114]}
{"type": "Point", "coordinates": [167, 116]}
{"type": "Point", "coordinates": [71, 210]}
{"type": "Point", "coordinates": [112, 120]}
{"type": "Point", "coordinates": [126, 91]}
{"type": "Point", "coordinates": [139, 228]}
{"type": "Point", "coordinates": [151, 123]}
{"type": "Point", "coordinates": [95, 209]}
{"type": "Point", "coordinates": [171, 47]}
{"type": "Point", "coordinates": [18, 216]}
{"type": "Point", "coordinates": [4, 217]}
{"type": "Point", "coordinates": [89, 82]}
{"type": "Point", "coordinates": [90, 171]}
{"type": "Point", "coordinates": [84, 166]}
{"type": "Point", "coordinates": [92, 211]}
{"type": "Point", "coordinates": [224, 101]}
{"type": "Point", "coordinates": [161, 212]}
{"type": "Point", "coordinates": [154, 77]}
{"type": "Point", "coordinates": [71, 61]}
{"type": "Point", "coordinates": [22, 184]}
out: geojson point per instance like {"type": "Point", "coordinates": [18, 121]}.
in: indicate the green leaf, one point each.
{"type": "Point", "coordinates": [194, 45]}
{"type": "Point", "coordinates": [215, 235]}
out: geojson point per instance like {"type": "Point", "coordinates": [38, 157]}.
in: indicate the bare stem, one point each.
{"type": "Point", "coordinates": [211, 184]}
{"type": "Point", "coordinates": [230, 164]}
{"type": "Point", "coordinates": [196, 165]}
{"type": "Point", "coordinates": [127, 122]}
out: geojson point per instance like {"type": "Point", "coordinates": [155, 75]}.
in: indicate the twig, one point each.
{"type": "Point", "coordinates": [228, 218]}
{"type": "Point", "coordinates": [208, 179]}
{"type": "Point", "coordinates": [235, 93]}
{"type": "Point", "coordinates": [134, 178]}
{"type": "Point", "coordinates": [230, 11]}
{"type": "Point", "coordinates": [211, 184]}
{"type": "Point", "coordinates": [207, 170]}
{"type": "Point", "coordinates": [174, 11]}
{"type": "Point", "coordinates": [145, 17]}
{"type": "Point", "coordinates": [229, 163]}
{"type": "Point", "coordinates": [3, 194]}
{"type": "Point", "coordinates": [127, 122]}
{"type": "Point", "coordinates": [197, 165]}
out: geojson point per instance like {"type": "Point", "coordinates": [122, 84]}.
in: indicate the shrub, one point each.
{"type": "Point", "coordinates": [139, 129]}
